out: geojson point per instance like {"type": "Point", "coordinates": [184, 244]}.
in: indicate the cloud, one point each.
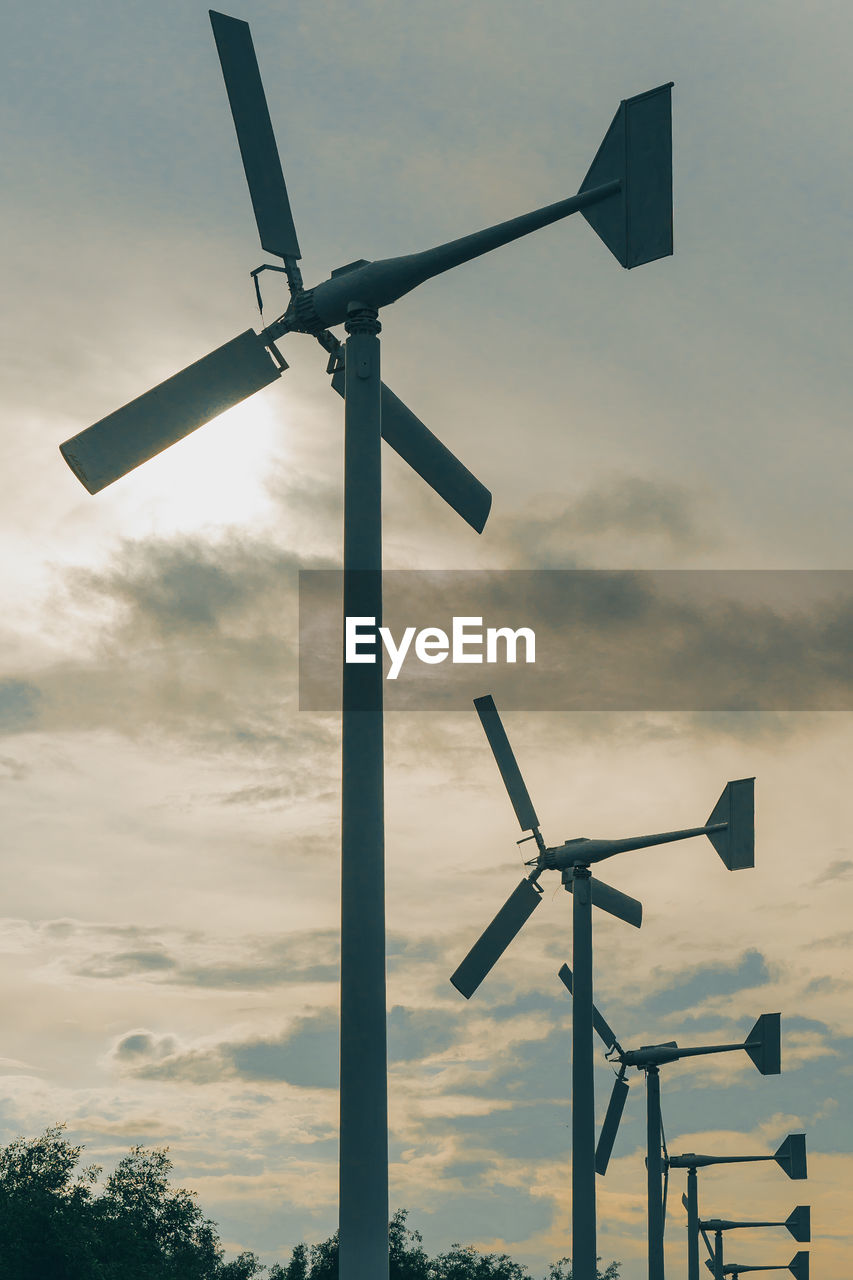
{"type": "Point", "coordinates": [304, 1056]}
{"type": "Point", "coordinates": [688, 990]}
{"type": "Point", "coordinates": [116, 952]}
{"type": "Point", "coordinates": [841, 869]}
{"type": "Point", "coordinates": [142, 1046]}
{"type": "Point", "coordinates": [19, 706]}
{"type": "Point", "coordinates": [612, 518]}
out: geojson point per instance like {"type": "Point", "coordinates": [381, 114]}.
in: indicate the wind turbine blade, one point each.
{"type": "Point", "coordinates": [496, 937]}
{"type": "Point", "coordinates": [665, 1173]}
{"type": "Point", "coordinates": [607, 1137]}
{"type": "Point", "coordinates": [255, 135]}
{"type": "Point", "coordinates": [140, 430]}
{"type": "Point", "coordinates": [615, 902]}
{"type": "Point", "coordinates": [799, 1223]}
{"type": "Point", "coordinates": [510, 772]}
{"type": "Point", "coordinates": [708, 1246]}
{"type": "Point", "coordinates": [432, 460]}
{"type": "Point", "coordinates": [598, 1019]}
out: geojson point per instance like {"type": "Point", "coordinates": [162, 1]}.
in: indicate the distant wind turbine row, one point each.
{"type": "Point", "coordinates": [731, 830]}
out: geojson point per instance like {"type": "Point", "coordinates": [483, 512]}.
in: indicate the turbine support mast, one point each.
{"type": "Point", "coordinates": [653, 1174]}
{"type": "Point", "coordinates": [583, 1095]}
{"type": "Point", "coordinates": [363, 1185]}
{"type": "Point", "coordinates": [692, 1224]}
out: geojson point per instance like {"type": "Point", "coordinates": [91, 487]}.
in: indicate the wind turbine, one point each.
{"type": "Point", "coordinates": [626, 197]}
{"type": "Point", "coordinates": [763, 1046]}
{"type": "Point", "coordinates": [798, 1223]}
{"type": "Point", "coordinates": [798, 1266]}
{"type": "Point", "coordinates": [790, 1156]}
{"type": "Point", "coordinates": [730, 829]}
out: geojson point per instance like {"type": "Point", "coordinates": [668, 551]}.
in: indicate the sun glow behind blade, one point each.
{"type": "Point", "coordinates": [170, 411]}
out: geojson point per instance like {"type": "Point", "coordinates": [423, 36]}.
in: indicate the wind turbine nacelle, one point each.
{"type": "Point", "coordinates": [690, 1160]}
{"type": "Point", "coordinates": [374, 284]}
{"type": "Point", "coordinates": [652, 1055]}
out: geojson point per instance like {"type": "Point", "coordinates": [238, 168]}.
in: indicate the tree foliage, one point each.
{"type": "Point", "coordinates": [57, 1223]}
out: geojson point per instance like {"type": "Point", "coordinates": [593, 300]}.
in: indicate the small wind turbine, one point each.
{"type": "Point", "coordinates": [730, 829]}
{"type": "Point", "coordinates": [626, 197]}
{"type": "Point", "coordinates": [790, 1156]}
{"type": "Point", "coordinates": [764, 1048]}
{"type": "Point", "coordinates": [798, 1223]}
{"type": "Point", "coordinates": [798, 1266]}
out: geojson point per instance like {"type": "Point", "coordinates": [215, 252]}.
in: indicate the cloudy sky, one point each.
{"type": "Point", "coordinates": [168, 949]}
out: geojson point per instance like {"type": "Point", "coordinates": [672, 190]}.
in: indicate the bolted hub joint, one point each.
{"type": "Point", "coordinates": [362, 318]}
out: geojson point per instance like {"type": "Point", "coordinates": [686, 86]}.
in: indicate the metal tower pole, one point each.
{"type": "Point", "coordinates": [583, 1095]}
{"type": "Point", "coordinates": [719, 1274]}
{"type": "Point", "coordinates": [363, 1240]}
{"type": "Point", "coordinates": [692, 1224]}
{"type": "Point", "coordinates": [653, 1174]}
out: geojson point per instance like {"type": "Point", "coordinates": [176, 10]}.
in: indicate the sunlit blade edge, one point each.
{"type": "Point", "coordinates": [170, 411]}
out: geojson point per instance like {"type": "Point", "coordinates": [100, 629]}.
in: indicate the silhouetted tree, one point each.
{"type": "Point", "coordinates": [148, 1230]}
{"type": "Point", "coordinates": [55, 1225]}
{"type": "Point", "coordinates": [463, 1262]}
{"type": "Point", "coordinates": [562, 1270]}
{"type": "Point", "coordinates": [47, 1225]}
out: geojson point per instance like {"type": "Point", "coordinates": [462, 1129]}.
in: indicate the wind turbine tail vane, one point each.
{"type": "Point", "coordinates": [799, 1265]}
{"type": "Point", "coordinates": [736, 808]}
{"type": "Point", "coordinates": [791, 1156]}
{"type": "Point", "coordinates": [799, 1223]}
{"type": "Point", "coordinates": [636, 226]}
{"type": "Point", "coordinates": [763, 1044]}
{"type": "Point", "coordinates": [255, 135]}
